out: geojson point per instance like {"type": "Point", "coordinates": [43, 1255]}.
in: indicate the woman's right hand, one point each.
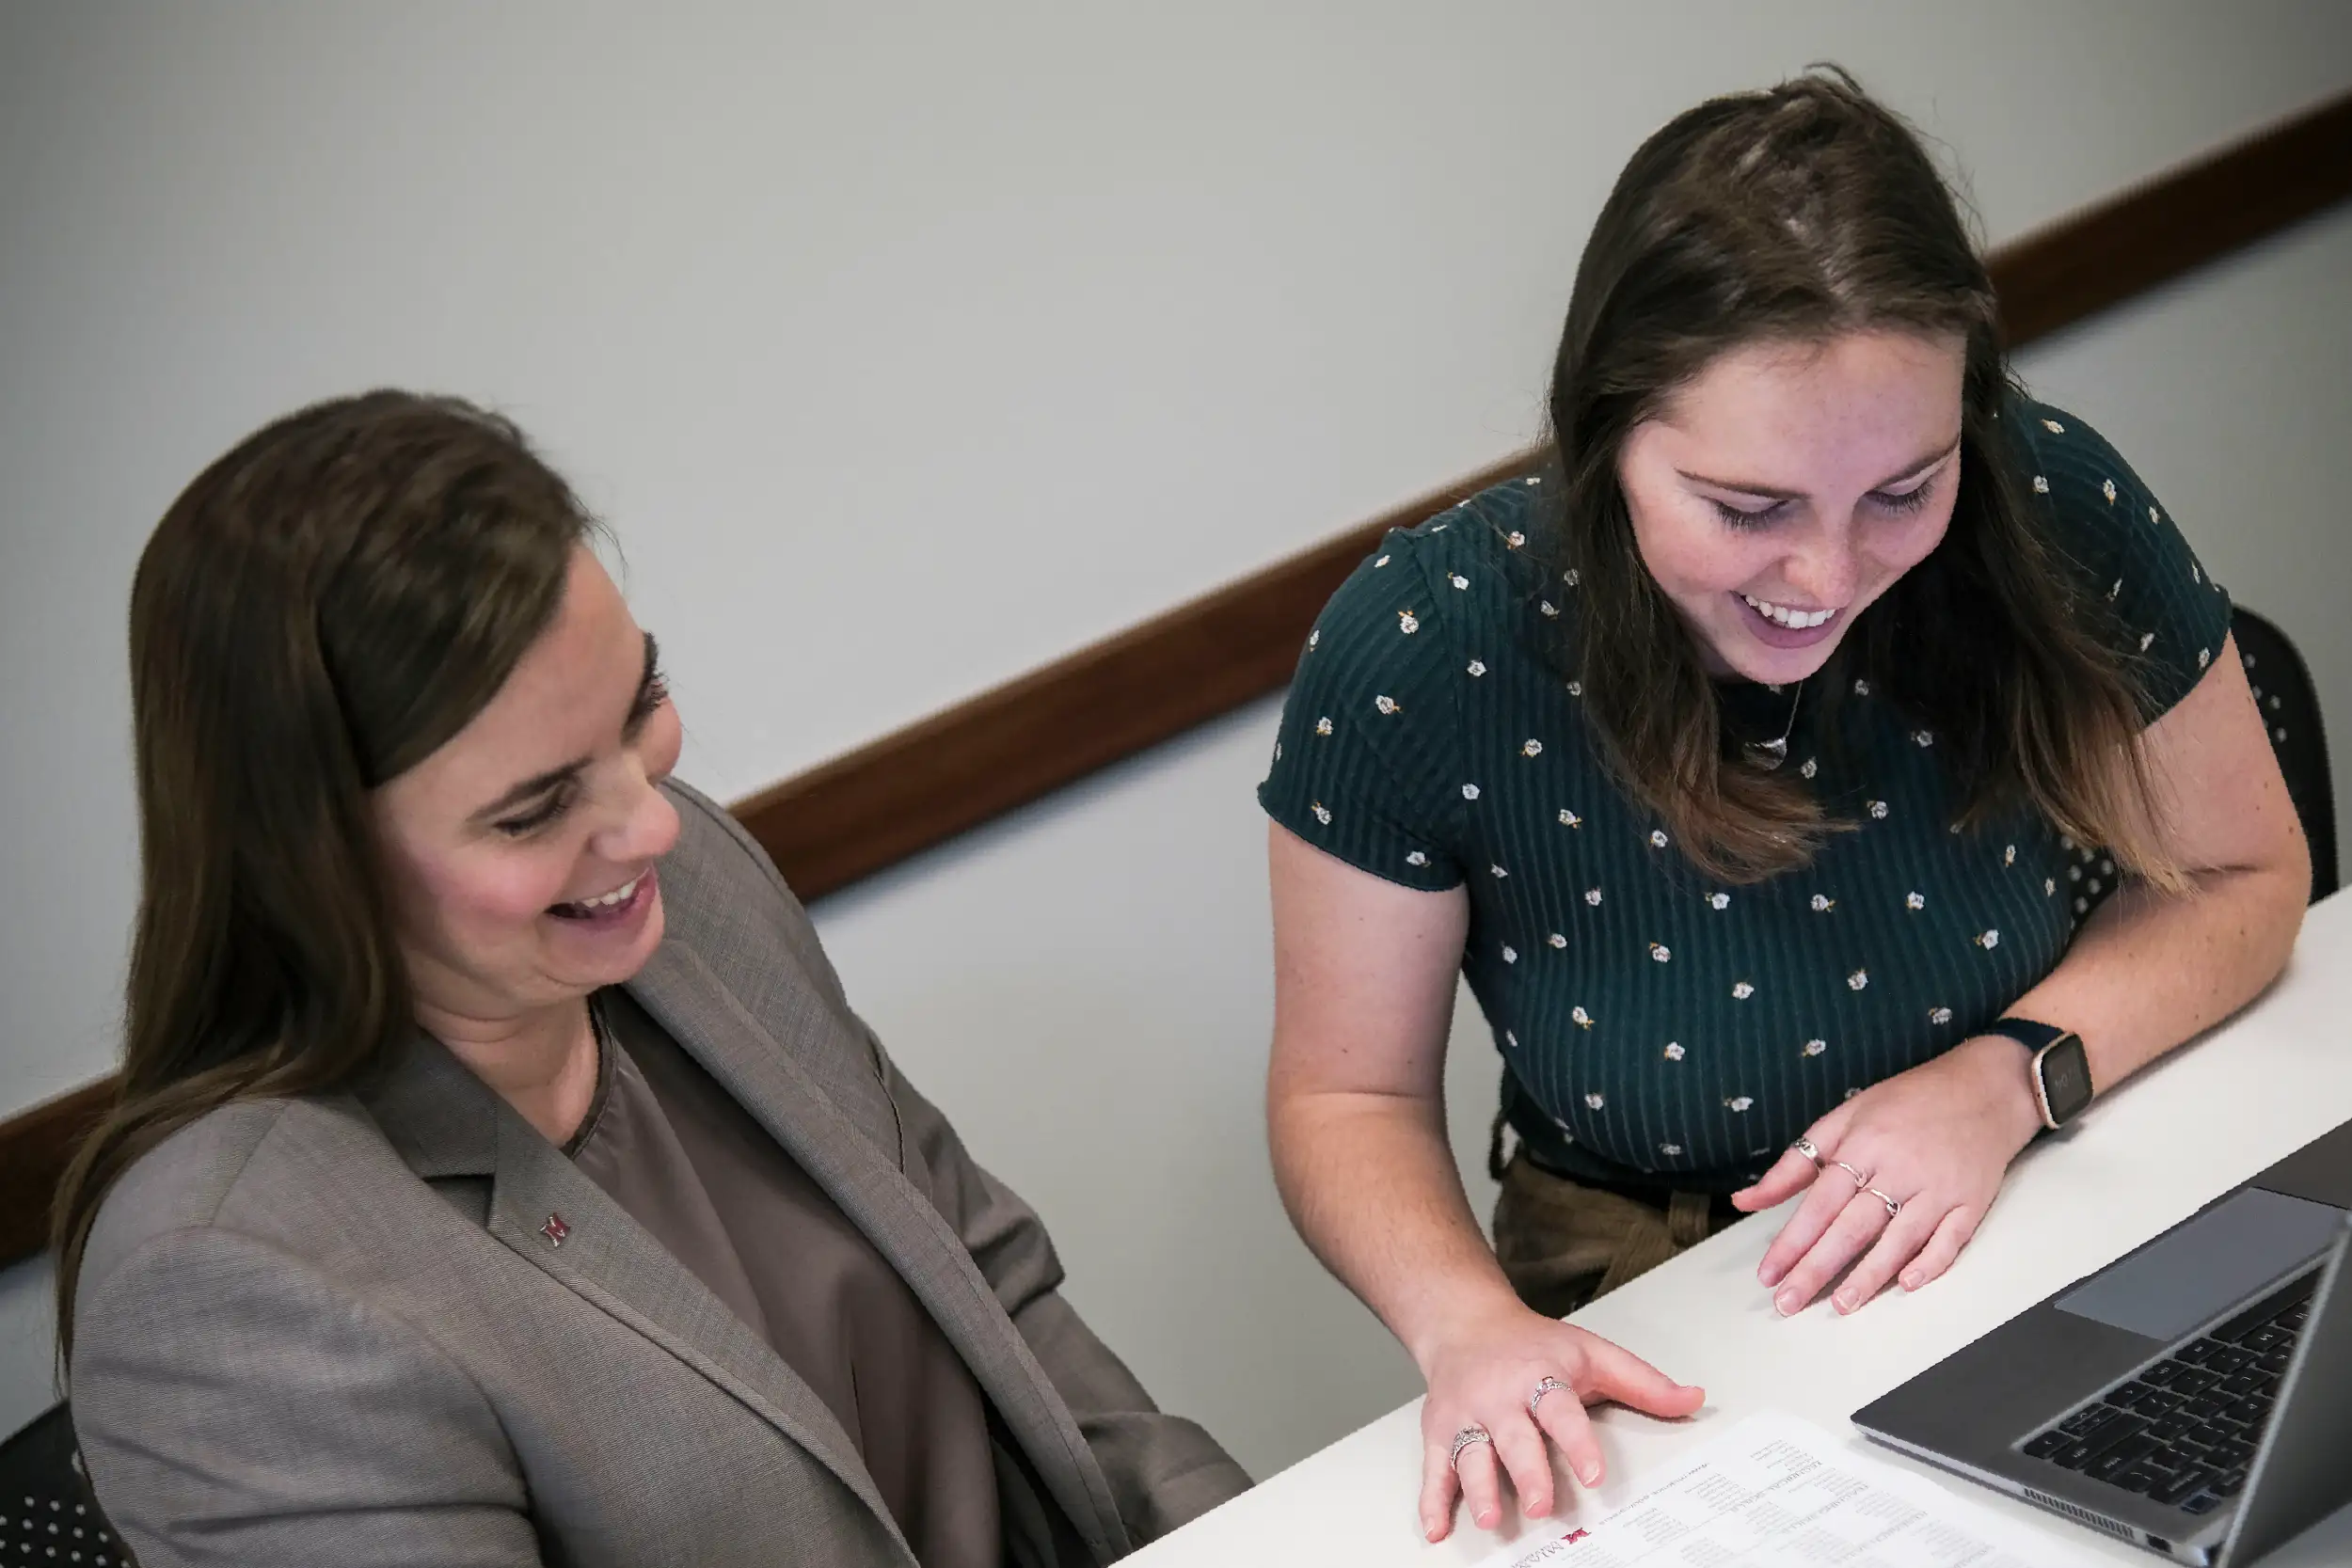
{"type": "Point", "coordinates": [1364, 975]}
{"type": "Point", "coordinates": [1483, 1371]}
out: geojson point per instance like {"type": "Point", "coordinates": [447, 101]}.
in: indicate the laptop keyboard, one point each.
{"type": "Point", "coordinates": [2182, 1430]}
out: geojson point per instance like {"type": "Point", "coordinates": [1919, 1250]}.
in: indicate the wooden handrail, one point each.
{"type": "Point", "coordinates": [917, 787]}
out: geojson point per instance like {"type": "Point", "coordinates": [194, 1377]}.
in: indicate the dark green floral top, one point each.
{"type": "Point", "coordinates": [1656, 1027]}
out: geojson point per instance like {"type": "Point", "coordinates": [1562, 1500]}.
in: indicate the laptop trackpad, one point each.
{"type": "Point", "coordinates": [2193, 1272]}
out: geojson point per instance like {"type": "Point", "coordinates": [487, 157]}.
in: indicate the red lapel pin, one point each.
{"type": "Point", "coordinates": [555, 1229]}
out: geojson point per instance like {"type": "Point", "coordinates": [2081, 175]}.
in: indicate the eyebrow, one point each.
{"type": "Point", "coordinates": [1744, 488]}
{"type": "Point", "coordinates": [539, 784]}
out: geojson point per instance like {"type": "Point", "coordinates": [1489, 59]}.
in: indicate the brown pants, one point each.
{"type": "Point", "coordinates": [1562, 1244]}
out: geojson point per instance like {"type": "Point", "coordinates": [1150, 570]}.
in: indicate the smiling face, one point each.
{"type": "Point", "coordinates": [521, 853]}
{"type": "Point", "coordinates": [1786, 486]}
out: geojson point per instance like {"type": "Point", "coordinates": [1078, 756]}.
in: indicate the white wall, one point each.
{"type": "Point", "coordinates": [2232, 395]}
{"type": "Point", "coordinates": [909, 347]}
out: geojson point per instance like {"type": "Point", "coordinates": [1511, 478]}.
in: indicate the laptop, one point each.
{"type": "Point", "coordinates": [2194, 1397]}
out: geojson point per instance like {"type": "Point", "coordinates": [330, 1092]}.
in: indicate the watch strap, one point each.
{"type": "Point", "coordinates": [2038, 1037]}
{"type": "Point", "coordinates": [2026, 1032]}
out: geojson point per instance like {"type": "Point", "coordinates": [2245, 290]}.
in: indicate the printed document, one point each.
{"type": "Point", "coordinates": [1776, 1491]}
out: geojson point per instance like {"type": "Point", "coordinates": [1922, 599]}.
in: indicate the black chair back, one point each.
{"type": "Point", "coordinates": [2290, 709]}
{"type": "Point", "coordinates": [2290, 712]}
{"type": "Point", "coordinates": [47, 1513]}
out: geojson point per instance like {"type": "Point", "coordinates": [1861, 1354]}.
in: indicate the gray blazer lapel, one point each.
{"type": "Point", "coordinates": [447, 1122]}
{"type": "Point", "coordinates": [704, 1018]}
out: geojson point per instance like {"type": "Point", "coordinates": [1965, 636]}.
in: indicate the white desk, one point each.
{"type": "Point", "coordinates": [2178, 1136]}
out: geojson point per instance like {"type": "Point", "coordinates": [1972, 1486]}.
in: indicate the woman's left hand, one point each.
{"type": "Point", "coordinates": [1937, 1139]}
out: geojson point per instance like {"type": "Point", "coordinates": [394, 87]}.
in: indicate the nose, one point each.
{"type": "Point", "coordinates": [645, 828]}
{"type": "Point", "coordinates": [1825, 568]}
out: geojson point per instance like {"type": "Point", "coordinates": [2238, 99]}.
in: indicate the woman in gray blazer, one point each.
{"type": "Point", "coordinates": [502, 1177]}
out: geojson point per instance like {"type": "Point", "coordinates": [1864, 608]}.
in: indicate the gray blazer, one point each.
{"type": "Point", "coordinates": [344, 1330]}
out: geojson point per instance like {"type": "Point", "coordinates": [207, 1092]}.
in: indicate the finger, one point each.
{"type": "Point", "coordinates": [1528, 1461]}
{"type": "Point", "coordinates": [1792, 1172]}
{"type": "Point", "coordinates": [1562, 1416]}
{"type": "Point", "coordinates": [1791, 1175]}
{"type": "Point", "coordinates": [1614, 1372]}
{"type": "Point", "coordinates": [1805, 1229]}
{"type": "Point", "coordinates": [1856, 1226]}
{"type": "Point", "coordinates": [1439, 1488]}
{"type": "Point", "coordinates": [1482, 1486]}
{"type": "Point", "coordinates": [1898, 1244]}
{"type": "Point", "coordinates": [1951, 1235]}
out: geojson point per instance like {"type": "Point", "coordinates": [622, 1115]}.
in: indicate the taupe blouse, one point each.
{"type": "Point", "coordinates": [687, 1163]}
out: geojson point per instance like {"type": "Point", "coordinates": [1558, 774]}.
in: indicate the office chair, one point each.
{"type": "Point", "coordinates": [47, 1512]}
{"type": "Point", "coordinates": [2289, 710]}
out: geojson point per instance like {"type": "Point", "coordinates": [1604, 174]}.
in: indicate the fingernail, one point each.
{"type": "Point", "coordinates": [1538, 1510]}
{"type": "Point", "coordinates": [1911, 1280]}
{"type": "Point", "coordinates": [1487, 1520]}
{"type": "Point", "coordinates": [1787, 1302]}
{"type": "Point", "coordinates": [1845, 1300]}
{"type": "Point", "coordinates": [1590, 1475]}
{"type": "Point", "coordinates": [1431, 1531]}
{"type": "Point", "coordinates": [1766, 1276]}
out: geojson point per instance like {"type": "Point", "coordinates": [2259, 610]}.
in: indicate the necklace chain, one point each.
{"type": "Point", "coordinates": [1769, 755]}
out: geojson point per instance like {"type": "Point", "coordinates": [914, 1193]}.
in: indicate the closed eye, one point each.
{"type": "Point", "coordinates": [1764, 516]}
{"type": "Point", "coordinates": [1742, 517]}
{"type": "Point", "coordinates": [655, 692]}
{"type": "Point", "coordinates": [556, 790]}
{"type": "Point", "coordinates": [653, 689]}
{"type": "Point", "coordinates": [554, 805]}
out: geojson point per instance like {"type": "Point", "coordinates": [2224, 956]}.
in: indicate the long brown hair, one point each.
{"type": "Point", "coordinates": [321, 610]}
{"type": "Point", "coordinates": [1797, 214]}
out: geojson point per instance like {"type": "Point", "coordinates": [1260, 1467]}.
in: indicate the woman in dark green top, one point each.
{"type": "Point", "coordinates": [1740, 757]}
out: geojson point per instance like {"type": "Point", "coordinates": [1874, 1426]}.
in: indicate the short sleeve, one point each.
{"type": "Point", "coordinates": [1370, 728]}
{"type": "Point", "coordinates": [2171, 616]}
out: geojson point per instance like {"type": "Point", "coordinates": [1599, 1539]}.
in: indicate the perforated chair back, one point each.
{"type": "Point", "coordinates": [2290, 709]}
{"type": "Point", "coordinates": [47, 1513]}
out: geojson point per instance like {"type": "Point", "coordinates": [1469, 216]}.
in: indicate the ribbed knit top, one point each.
{"type": "Point", "coordinates": [1656, 1025]}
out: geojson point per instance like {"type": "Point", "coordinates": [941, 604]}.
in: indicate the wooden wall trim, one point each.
{"type": "Point", "coordinates": [912, 789]}
{"type": "Point", "coordinates": [919, 786]}
{"type": "Point", "coordinates": [2150, 234]}
{"type": "Point", "coordinates": [35, 1148]}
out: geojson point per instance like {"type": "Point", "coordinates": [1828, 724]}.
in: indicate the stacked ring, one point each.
{"type": "Point", "coordinates": [1807, 1148]}
{"type": "Point", "coordinates": [1464, 1438]}
{"type": "Point", "coordinates": [1860, 1178]}
{"type": "Point", "coordinates": [1894, 1206]}
{"type": "Point", "coordinates": [1548, 1385]}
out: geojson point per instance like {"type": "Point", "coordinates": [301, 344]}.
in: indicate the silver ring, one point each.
{"type": "Point", "coordinates": [1861, 1179]}
{"type": "Point", "coordinates": [1464, 1438]}
{"type": "Point", "coordinates": [1894, 1206]}
{"type": "Point", "coordinates": [1805, 1148]}
{"type": "Point", "coordinates": [1548, 1385]}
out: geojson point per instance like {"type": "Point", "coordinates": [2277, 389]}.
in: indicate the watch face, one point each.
{"type": "Point", "coordinates": [2065, 1078]}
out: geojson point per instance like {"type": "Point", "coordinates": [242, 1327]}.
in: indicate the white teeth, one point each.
{"type": "Point", "coordinates": [618, 896]}
{"type": "Point", "coordinates": [1796, 620]}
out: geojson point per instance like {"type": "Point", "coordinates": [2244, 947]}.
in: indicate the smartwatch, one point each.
{"type": "Point", "coordinates": [2060, 1069]}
